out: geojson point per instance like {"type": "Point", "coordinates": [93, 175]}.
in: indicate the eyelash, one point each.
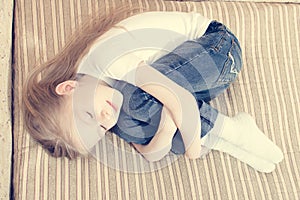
{"type": "Point", "coordinates": [103, 127]}
{"type": "Point", "coordinates": [92, 117]}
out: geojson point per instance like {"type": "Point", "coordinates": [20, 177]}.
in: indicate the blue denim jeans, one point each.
{"type": "Point", "coordinates": [205, 66]}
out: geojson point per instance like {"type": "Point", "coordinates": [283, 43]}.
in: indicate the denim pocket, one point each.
{"type": "Point", "coordinates": [232, 65]}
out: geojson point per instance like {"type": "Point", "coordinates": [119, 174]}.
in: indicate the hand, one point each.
{"type": "Point", "coordinates": [194, 150]}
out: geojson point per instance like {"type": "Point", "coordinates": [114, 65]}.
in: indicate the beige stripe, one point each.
{"type": "Point", "coordinates": [219, 11]}
{"type": "Point", "coordinates": [191, 178]}
{"type": "Point", "coordinates": [58, 179]}
{"type": "Point", "coordinates": [271, 71]}
{"type": "Point", "coordinates": [147, 5]}
{"type": "Point", "coordinates": [125, 176]}
{"type": "Point", "coordinates": [277, 88]}
{"type": "Point", "coordinates": [227, 159]}
{"type": "Point", "coordinates": [142, 176]}
{"type": "Point", "coordinates": [242, 78]}
{"type": "Point", "coordinates": [99, 177]}
{"type": "Point", "coordinates": [269, 110]}
{"type": "Point", "coordinates": [154, 182]}
{"type": "Point", "coordinates": [44, 55]}
{"type": "Point", "coordinates": [106, 177]}
{"type": "Point", "coordinates": [173, 6]}
{"type": "Point", "coordinates": [279, 171]}
{"type": "Point", "coordinates": [234, 109]}
{"type": "Point", "coordinates": [25, 139]}
{"type": "Point", "coordinates": [297, 63]}
{"type": "Point", "coordinates": [196, 170]}
{"type": "Point", "coordinates": [188, 5]}
{"type": "Point", "coordinates": [241, 165]}
{"type": "Point", "coordinates": [79, 14]}
{"type": "Point", "coordinates": [204, 12]}
{"type": "Point", "coordinates": [172, 180]}
{"type": "Point", "coordinates": [179, 8]}
{"type": "Point", "coordinates": [145, 191]}
{"type": "Point", "coordinates": [214, 176]}
{"type": "Point", "coordinates": [293, 95]}
{"type": "Point", "coordinates": [106, 5]}
{"type": "Point", "coordinates": [208, 180]}
{"type": "Point", "coordinates": [54, 27]}
{"type": "Point", "coordinates": [223, 156]}
{"type": "Point", "coordinates": [66, 179]}
{"type": "Point", "coordinates": [85, 179]}
{"type": "Point", "coordinates": [162, 188]}
{"type": "Point", "coordinates": [140, 4]}
{"type": "Point", "coordinates": [17, 124]}
{"type": "Point", "coordinates": [35, 26]}
{"type": "Point", "coordinates": [226, 21]}
{"type": "Point", "coordinates": [46, 175]}
{"type": "Point", "coordinates": [230, 184]}
{"type": "Point", "coordinates": [56, 48]}
{"type": "Point", "coordinates": [78, 179]}
{"type": "Point", "coordinates": [259, 66]}
{"type": "Point", "coordinates": [156, 5]}
{"type": "Point", "coordinates": [90, 7]}
{"type": "Point", "coordinates": [211, 11]}
{"type": "Point", "coordinates": [296, 90]}
{"type": "Point", "coordinates": [286, 124]}
{"type": "Point", "coordinates": [97, 8]}
{"type": "Point", "coordinates": [178, 180]}
{"type": "Point", "coordinates": [206, 168]}
{"type": "Point", "coordinates": [137, 182]}
{"type": "Point", "coordinates": [289, 73]}
{"type": "Point", "coordinates": [117, 166]}
{"type": "Point", "coordinates": [72, 16]}
{"type": "Point", "coordinates": [43, 34]}
{"type": "Point", "coordinates": [37, 179]}
{"type": "Point", "coordinates": [194, 7]}
{"type": "Point", "coordinates": [61, 20]}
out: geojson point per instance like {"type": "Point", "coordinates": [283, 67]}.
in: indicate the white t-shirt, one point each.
{"type": "Point", "coordinates": [143, 37]}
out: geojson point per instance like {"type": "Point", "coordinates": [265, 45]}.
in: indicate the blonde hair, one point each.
{"type": "Point", "coordinates": [42, 106]}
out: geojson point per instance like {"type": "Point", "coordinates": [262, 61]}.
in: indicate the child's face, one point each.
{"type": "Point", "coordinates": [107, 105]}
{"type": "Point", "coordinates": [96, 108]}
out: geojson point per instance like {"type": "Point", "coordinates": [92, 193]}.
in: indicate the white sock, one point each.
{"type": "Point", "coordinates": [249, 158]}
{"type": "Point", "coordinates": [242, 132]}
{"type": "Point", "coordinates": [212, 141]}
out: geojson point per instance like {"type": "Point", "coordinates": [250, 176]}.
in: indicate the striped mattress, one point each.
{"type": "Point", "coordinates": [268, 88]}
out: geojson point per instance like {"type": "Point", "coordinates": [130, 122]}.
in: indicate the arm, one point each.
{"type": "Point", "coordinates": [161, 143]}
{"type": "Point", "coordinates": [178, 101]}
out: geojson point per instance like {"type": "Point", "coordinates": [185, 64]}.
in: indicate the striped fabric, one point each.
{"type": "Point", "coordinates": [262, 1]}
{"type": "Point", "coordinates": [268, 88]}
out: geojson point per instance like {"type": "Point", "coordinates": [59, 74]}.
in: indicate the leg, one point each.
{"type": "Point", "coordinates": [205, 66]}
{"type": "Point", "coordinates": [241, 138]}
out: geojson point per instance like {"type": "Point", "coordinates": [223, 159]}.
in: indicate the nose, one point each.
{"type": "Point", "coordinates": [105, 114]}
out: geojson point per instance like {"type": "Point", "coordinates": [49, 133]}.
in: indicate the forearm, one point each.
{"type": "Point", "coordinates": [161, 143]}
{"type": "Point", "coordinates": [181, 104]}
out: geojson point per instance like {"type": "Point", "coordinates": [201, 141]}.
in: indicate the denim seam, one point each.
{"type": "Point", "coordinates": [181, 65]}
{"type": "Point", "coordinates": [217, 47]}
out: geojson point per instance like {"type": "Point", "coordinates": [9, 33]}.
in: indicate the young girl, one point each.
{"type": "Point", "coordinates": [148, 79]}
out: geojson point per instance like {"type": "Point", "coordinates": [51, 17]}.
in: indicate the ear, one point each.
{"type": "Point", "coordinates": [66, 87]}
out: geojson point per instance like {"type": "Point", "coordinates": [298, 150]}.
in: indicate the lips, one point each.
{"type": "Point", "coordinates": [112, 105]}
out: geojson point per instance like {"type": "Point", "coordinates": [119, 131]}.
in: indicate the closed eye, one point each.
{"type": "Point", "coordinates": [105, 129]}
{"type": "Point", "coordinates": [90, 115]}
